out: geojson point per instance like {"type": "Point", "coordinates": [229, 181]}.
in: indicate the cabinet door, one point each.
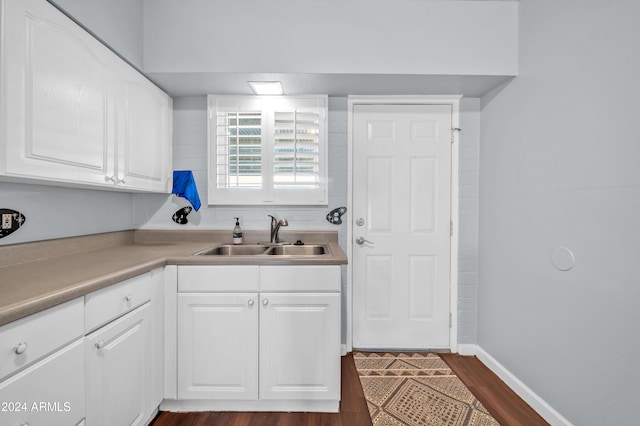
{"type": "Point", "coordinates": [50, 392]}
{"type": "Point", "coordinates": [218, 346]}
{"type": "Point", "coordinates": [118, 370]}
{"type": "Point", "coordinates": [57, 101]}
{"type": "Point", "coordinates": [144, 133]}
{"type": "Point", "coordinates": [299, 346]}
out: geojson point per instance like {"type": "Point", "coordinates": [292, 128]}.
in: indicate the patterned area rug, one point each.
{"type": "Point", "coordinates": [416, 389]}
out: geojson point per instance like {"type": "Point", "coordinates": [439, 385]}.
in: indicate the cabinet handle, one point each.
{"type": "Point", "coordinates": [128, 297]}
{"type": "Point", "coordinates": [250, 302]}
{"type": "Point", "coordinates": [20, 348]}
{"type": "Point", "coordinates": [265, 302]}
{"type": "Point", "coordinates": [121, 181]}
{"type": "Point", "coordinates": [110, 179]}
{"type": "Point", "coordinates": [100, 344]}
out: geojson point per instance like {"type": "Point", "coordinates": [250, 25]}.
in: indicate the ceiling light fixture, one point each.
{"type": "Point", "coordinates": [266, 87]}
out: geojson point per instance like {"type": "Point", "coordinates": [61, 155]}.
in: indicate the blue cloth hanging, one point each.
{"type": "Point", "coordinates": [184, 185]}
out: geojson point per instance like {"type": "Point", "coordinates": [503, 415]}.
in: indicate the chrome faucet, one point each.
{"type": "Point", "coordinates": [275, 227]}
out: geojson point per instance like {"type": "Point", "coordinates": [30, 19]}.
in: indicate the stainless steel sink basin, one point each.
{"type": "Point", "coordinates": [266, 250]}
{"type": "Point", "coordinates": [231, 250]}
{"type": "Point", "coordinates": [304, 250]}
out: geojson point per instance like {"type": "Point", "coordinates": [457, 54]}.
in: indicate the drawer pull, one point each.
{"type": "Point", "coordinates": [100, 344]}
{"type": "Point", "coordinates": [20, 348]}
{"type": "Point", "coordinates": [128, 297]}
{"type": "Point", "coordinates": [250, 302]}
{"type": "Point", "coordinates": [265, 302]}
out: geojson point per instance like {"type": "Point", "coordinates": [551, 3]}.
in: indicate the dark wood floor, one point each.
{"type": "Point", "coordinates": [353, 410]}
{"type": "Point", "coordinates": [505, 406]}
{"type": "Point", "coordinates": [503, 403]}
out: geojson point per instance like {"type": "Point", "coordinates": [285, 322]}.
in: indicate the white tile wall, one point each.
{"type": "Point", "coordinates": [468, 220]}
{"type": "Point", "coordinates": [190, 153]}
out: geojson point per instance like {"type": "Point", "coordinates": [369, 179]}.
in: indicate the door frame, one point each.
{"type": "Point", "coordinates": [454, 101]}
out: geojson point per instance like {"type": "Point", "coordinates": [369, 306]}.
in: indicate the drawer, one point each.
{"type": "Point", "coordinates": [39, 334]}
{"type": "Point", "coordinates": [300, 278]}
{"type": "Point", "coordinates": [203, 279]}
{"type": "Point", "coordinates": [50, 392]}
{"type": "Point", "coordinates": [105, 305]}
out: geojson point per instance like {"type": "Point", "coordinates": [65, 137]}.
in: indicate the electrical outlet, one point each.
{"type": "Point", "coordinates": [10, 221]}
{"type": "Point", "coordinates": [7, 220]}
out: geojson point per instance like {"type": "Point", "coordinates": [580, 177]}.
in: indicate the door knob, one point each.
{"type": "Point", "coordinates": [360, 241]}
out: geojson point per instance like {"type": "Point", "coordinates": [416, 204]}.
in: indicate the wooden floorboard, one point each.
{"type": "Point", "coordinates": [353, 410]}
{"type": "Point", "coordinates": [503, 404]}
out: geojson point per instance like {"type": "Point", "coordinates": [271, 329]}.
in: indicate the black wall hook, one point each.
{"type": "Point", "coordinates": [180, 217]}
{"type": "Point", "coordinates": [335, 215]}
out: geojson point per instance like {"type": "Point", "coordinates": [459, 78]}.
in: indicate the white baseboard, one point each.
{"type": "Point", "coordinates": [523, 391]}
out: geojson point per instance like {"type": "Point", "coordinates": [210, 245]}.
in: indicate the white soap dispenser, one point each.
{"type": "Point", "coordinates": [237, 232]}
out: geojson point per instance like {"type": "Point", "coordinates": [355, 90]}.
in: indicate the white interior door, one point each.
{"type": "Point", "coordinates": [401, 226]}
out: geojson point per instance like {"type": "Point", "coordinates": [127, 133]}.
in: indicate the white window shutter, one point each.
{"type": "Point", "coordinates": [273, 154]}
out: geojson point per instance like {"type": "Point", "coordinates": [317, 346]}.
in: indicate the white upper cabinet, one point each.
{"type": "Point", "coordinates": [74, 113]}
{"type": "Point", "coordinates": [144, 133]}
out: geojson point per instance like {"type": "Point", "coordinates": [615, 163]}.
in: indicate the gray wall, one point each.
{"type": "Point", "coordinates": [560, 166]}
{"type": "Point", "coordinates": [54, 212]}
{"type": "Point", "coordinates": [118, 23]}
{"type": "Point", "coordinates": [372, 36]}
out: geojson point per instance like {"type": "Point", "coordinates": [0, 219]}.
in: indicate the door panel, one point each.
{"type": "Point", "coordinates": [300, 346]}
{"type": "Point", "coordinates": [402, 191]}
{"type": "Point", "coordinates": [424, 189]}
{"type": "Point", "coordinates": [218, 346]}
{"type": "Point", "coordinates": [380, 173]}
{"type": "Point", "coordinates": [56, 94]}
{"type": "Point", "coordinates": [118, 370]}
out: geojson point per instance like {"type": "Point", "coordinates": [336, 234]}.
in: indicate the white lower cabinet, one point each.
{"type": "Point", "coordinates": [42, 368]}
{"type": "Point", "coordinates": [123, 351]}
{"type": "Point", "coordinates": [118, 370]}
{"type": "Point", "coordinates": [51, 392]}
{"type": "Point", "coordinates": [97, 359]}
{"type": "Point", "coordinates": [268, 349]}
{"type": "Point", "coordinates": [218, 346]}
{"type": "Point", "coordinates": [299, 346]}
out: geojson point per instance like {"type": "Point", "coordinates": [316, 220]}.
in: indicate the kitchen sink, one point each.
{"type": "Point", "coordinates": [302, 250]}
{"type": "Point", "coordinates": [231, 250]}
{"type": "Point", "coordinates": [266, 250]}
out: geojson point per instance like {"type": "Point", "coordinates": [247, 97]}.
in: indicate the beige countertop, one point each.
{"type": "Point", "coordinates": [36, 276]}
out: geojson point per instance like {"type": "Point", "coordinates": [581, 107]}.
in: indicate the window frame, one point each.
{"type": "Point", "coordinates": [267, 194]}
